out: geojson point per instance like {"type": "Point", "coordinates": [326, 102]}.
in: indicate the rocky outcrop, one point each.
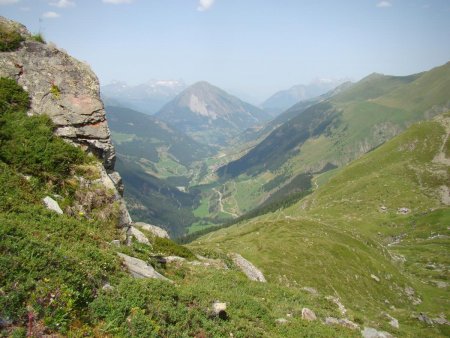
{"type": "Point", "coordinates": [63, 88]}
{"type": "Point", "coordinates": [68, 91]}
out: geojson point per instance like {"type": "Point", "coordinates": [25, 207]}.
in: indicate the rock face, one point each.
{"type": "Point", "coordinates": [68, 92]}
{"type": "Point", "coordinates": [63, 88]}
{"type": "Point", "coordinates": [251, 271]}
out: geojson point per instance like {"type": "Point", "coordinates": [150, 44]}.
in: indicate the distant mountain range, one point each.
{"type": "Point", "coordinates": [210, 115]}
{"type": "Point", "coordinates": [147, 97]}
{"type": "Point", "coordinates": [284, 99]}
{"type": "Point", "coordinates": [343, 127]}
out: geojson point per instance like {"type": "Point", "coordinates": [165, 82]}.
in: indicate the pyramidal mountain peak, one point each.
{"type": "Point", "coordinates": [209, 114]}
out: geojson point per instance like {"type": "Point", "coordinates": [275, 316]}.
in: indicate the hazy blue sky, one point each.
{"type": "Point", "coordinates": [251, 46]}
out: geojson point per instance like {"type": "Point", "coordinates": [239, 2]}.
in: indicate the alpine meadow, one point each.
{"type": "Point", "coordinates": [224, 168]}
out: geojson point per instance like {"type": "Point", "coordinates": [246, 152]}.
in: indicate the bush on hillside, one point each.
{"type": "Point", "coordinates": [9, 39]}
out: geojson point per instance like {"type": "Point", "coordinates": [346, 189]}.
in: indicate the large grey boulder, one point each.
{"type": "Point", "coordinates": [251, 271]}
{"type": "Point", "coordinates": [153, 229]}
{"type": "Point", "coordinates": [140, 269]}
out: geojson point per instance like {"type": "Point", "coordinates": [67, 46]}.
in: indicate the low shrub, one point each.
{"type": "Point", "coordinates": [10, 39]}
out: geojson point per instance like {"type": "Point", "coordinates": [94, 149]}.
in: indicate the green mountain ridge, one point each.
{"type": "Point", "coordinates": [331, 133]}
{"type": "Point", "coordinates": [352, 239]}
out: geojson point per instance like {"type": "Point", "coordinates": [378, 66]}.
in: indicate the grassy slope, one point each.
{"type": "Point", "coordinates": [53, 267]}
{"type": "Point", "coordinates": [337, 237]}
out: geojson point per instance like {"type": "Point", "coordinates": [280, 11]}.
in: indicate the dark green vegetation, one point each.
{"type": "Point", "coordinates": [54, 268]}
{"type": "Point", "coordinates": [350, 232]}
{"type": "Point", "coordinates": [154, 159]}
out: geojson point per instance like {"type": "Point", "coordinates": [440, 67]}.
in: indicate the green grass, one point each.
{"type": "Point", "coordinates": [337, 237]}
{"type": "Point", "coordinates": [38, 37]}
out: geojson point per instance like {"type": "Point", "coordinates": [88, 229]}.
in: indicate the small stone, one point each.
{"type": "Point", "coordinates": [172, 259]}
{"type": "Point", "coordinates": [342, 322]}
{"type": "Point", "coordinates": [441, 321]}
{"type": "Point", "coordinates": [115, 242]}
{"type": "Point", "coordinates": [403, 211]}
{"type": "Point", "coordinates": [219, 309]}
{"type": "Point", "coordinates": [310, 290]}
{"type": "Point", "coordinates": [392, 321]}
{"type": "Point", "coordinates": [331, 321]}
{"type": "Point", "coordinates": [308, 314]}
{"type": "Point", "coordinates": [336, 301]}
{"type": "Point", "coordinates": [281, 321]}
{"type": "Point", "coordinates": [348, 324]}
{"type": "Point", "coordinates": [376, 278]}
{"type": "Point", "coordinates": [424, 318]}
{"type": "Point", "coordinates": [370, 332]}
{"type": "Point", "coordinates": [107, 287]}
{"type": "Point", "coordinates": [52, 205]}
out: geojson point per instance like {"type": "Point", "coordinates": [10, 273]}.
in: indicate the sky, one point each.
{"type": "Point", "coordinates": [251, 48]}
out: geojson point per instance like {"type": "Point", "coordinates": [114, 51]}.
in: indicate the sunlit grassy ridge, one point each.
{"type": "Point", "coordinates": [341, 235]}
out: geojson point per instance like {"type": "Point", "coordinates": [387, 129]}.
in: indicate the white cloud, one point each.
{"type": "Point", "coordinates": [63, 3]}
{"type": "Point", "coordinates": [8, 2]}
{"type": "Point", "coordinates": [384, 4]}
{"type": "Point", "coordinates": [204, 5]}
{"type": "Point", "coordinates": [25, 9]}
{"type": "Point", "coordinates": [50, 15]}
{"type": "Point", "coordinates": [117, 2]}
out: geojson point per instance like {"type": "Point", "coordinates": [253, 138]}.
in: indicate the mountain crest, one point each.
{"type": "Point", "coordinates": [209, 114]}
